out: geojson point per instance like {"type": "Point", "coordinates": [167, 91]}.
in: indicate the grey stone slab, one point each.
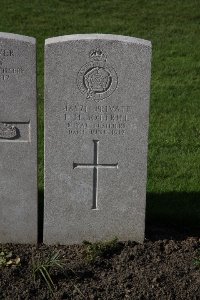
{"type": "Point", "coordinates": [97, 90]}
{"type": "Point", "coordinates": [18, 139]}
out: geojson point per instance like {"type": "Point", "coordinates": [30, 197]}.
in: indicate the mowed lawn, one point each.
{"type": "Point", "coordinates": [173, 189]}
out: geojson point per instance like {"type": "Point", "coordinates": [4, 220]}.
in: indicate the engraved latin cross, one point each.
{"type": "Point", "coordinates": [95, 166]}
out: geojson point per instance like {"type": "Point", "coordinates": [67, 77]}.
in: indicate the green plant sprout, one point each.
{"type": "Point", "coordinates": [99, 249]}
{"type": "Point", "coordinates": [43, 267]}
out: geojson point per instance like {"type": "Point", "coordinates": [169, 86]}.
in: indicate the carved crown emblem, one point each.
{"type": "Point", "coordinates": [97, 79]}
{"type": "Point", "coordinates": [97, 55]}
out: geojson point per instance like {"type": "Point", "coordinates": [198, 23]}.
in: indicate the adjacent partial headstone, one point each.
{"type": "Point", "coordinates": [96, 131]}
{"type": "Point", "coordinates": [18, 139]}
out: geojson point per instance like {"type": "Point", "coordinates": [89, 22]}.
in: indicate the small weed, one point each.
{"type": "Point", "coordinates": [99, 249]}
{"type": "Point", "coordinates": [7, 259]}
{"type": "Point", "coordinates": [43, 267]}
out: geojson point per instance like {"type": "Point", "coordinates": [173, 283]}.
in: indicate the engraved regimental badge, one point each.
{"type": "Point", "coordinates": [8, 131]}
{"type": "Point", "coordinates": [97, 79]}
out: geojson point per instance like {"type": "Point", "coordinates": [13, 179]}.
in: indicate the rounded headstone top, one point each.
{"type": "Point", "coordinates": [97, 36]}
{"type": "Point", "coordinates": [18, 37]}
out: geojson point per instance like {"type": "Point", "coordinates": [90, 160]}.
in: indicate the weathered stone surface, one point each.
{"type": "Point", "coordinates": [18, 139]}
{"type": "Point", "coordinates": [96, 129]}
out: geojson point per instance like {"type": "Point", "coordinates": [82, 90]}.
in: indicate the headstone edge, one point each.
{"type": "Point", "coordinates": [13, 36]}
{"type": "Point", "coordinates": [98, 36]}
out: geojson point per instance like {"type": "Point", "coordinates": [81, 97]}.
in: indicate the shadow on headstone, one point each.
{"type": "Point", "coordinates": [172, 215]}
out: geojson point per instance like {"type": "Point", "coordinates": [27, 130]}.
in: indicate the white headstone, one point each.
{"type": "Point", "coordinates": [18, 139]}
{"type": "Point", "coordinates": [96, 131]}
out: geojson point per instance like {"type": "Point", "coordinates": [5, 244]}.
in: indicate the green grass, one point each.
{"type": "Point", "coordinates": [173, 27]}
{"type": "Point", "coordinates": [99, 249]}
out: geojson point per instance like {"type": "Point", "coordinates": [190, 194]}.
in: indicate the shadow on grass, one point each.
{"type": "Point", "coordinates": [172, 215]}
{"type": "Point", "coordinates": [168, 215]}
{"type": "Point", "coordinates": [40, 215]}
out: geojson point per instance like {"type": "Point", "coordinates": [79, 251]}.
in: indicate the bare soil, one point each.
{"type": "Point", "coordinates": [161, 268]}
